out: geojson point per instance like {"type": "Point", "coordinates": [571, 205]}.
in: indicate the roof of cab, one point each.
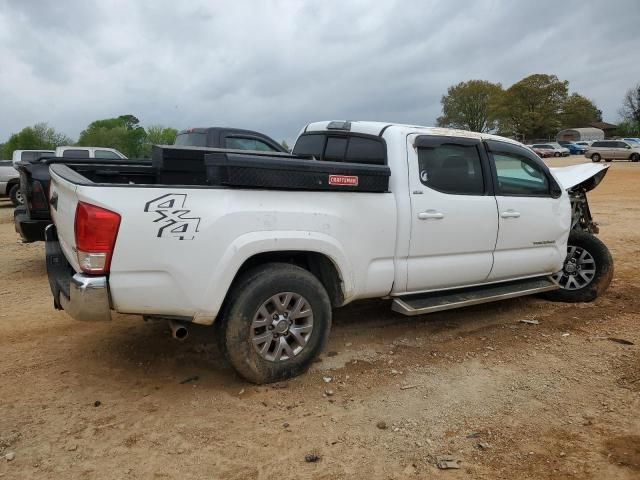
{"type": "Point", "coordinates": [383, 128]}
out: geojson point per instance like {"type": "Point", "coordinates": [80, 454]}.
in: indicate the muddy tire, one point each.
{"type": "Point", "coordinates": [276, 322]}
{"type": "Point", "coordinates": [16, 196]}
{"type": "Point", "coordinates": [587, 271]}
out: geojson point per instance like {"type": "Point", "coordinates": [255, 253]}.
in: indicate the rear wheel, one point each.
{"type": "Point", "coordinates": [635, 157]}
{"type": "Point", "coordinates": [595, 157]}
{"type": "Point", "coordinates": [276, 323]}
{"type": "Point", "coordinates": [587, 271]}
{"type": "Point", "coordinates": [16, 196]}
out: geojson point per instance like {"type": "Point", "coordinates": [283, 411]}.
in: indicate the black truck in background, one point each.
{"type": "Point", "coordinates": [32, 218]}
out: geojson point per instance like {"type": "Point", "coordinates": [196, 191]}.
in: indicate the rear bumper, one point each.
{"type": "Point", "coordinates": [83, 297]}
{"type": "Point", "coordinates": [29, 230]}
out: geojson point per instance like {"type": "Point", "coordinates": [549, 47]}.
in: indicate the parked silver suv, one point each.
{"type": "Point", "coordinates": [613, 150]}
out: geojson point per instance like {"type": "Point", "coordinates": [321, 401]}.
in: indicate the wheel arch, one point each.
{"type": "Point", "coordinates": [10, 184]}
{"type": "Point", "coordinates": [318, 264]}
{"type": "Point", "coordinates": [321, 254]}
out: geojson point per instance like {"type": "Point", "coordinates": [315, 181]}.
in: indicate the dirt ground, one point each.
{"type": "Point", "coordinates": [506, 399]}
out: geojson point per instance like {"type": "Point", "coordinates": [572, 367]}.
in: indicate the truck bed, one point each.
{"type": "Point", "coordinates": [209, 167]}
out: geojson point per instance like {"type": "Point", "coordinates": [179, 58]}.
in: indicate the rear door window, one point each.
{"type": "Point", "coordinates": [451, 167]}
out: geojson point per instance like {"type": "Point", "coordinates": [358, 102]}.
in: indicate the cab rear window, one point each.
{"type": "Point", "coordinates": [342, 148]}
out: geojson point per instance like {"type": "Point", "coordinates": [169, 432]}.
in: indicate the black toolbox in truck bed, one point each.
{"type": "Point", "coordinates": [237, 168]}
{"type": "Point", "coordinates": [294, 173]}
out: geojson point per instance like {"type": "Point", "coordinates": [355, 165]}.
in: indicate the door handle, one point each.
{"type": "Point", "coordinates": [431, 215]}
{"type": "Point", "coordinates": [510, 214]}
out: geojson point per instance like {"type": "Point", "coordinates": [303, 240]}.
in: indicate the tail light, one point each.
{"type": "Point", "coordinates": [96, 230]}
{"type": "Point", "coordinates": [37, 199]}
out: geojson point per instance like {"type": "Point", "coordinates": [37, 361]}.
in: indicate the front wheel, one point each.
{"type": "Point", "coordinates": [587, 271]}
{"type": "Point", "coordinates": [635, 157]}
{"type": "Point", "coordinates": [595, 157]}
{"type": "Point", "coordinates": [557, 154]}
{"type": "Point", "coordinates": [276, 323]}
{"type": "Point", "coordinates": [16, 196]}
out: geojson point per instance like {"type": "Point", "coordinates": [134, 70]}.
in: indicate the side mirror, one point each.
{"type": "Point", "coordinates": [628, 147]}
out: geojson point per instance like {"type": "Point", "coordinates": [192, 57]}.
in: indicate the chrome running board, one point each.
{"type": "Point", "coordinates": [419, 304]}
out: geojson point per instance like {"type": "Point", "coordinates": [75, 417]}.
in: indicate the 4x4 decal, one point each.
{"type": "Point", "coordinates": [172, 216]}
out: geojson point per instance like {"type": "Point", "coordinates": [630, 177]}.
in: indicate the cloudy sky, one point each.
{"type": "Point", "coordinates": [274, 66]}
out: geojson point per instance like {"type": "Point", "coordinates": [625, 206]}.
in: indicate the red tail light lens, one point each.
{"type": "Point", "coordinates": [38, 200]}
{"type": "Point", "coordinates": [96, 230]}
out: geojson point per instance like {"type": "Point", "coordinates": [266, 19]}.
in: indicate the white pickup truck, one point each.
{"type": "Point", "coordinates": [264, 245]}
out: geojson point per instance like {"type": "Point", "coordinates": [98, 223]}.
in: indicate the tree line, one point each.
{"type": "Point", "coordinates": [536, 107]}
{"type": "Point", "coordinates": [630, 113]}
{"type": "Point", "coordinates": [124, 133]}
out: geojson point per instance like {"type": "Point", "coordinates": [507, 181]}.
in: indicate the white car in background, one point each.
{"type": "Point", "coordinates": [30, 155]}
{"type": "Point", "coordinates": [68, 151]}
{"type": "Point", "coordinates": [89, 152]}
{"type": "Point", "coordinates": [10, 182]}
{"type": "Point", "coordinates": [558, 150]}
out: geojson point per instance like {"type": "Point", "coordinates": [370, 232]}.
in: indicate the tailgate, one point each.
{"type": "Point", "coordinates": [63, 200]}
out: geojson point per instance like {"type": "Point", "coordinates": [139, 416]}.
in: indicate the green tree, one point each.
{"type": "Point", "coordinates": [39, 136]}
{"type": "Point", "coordinates": [123, 133]}
{"type": "Point", "coordinates": [631, 105]}
{"type": "Point", "coordinates": [579, 111]}
{"type": "Point", "coordinates": [531, 108]}
{"type": "Point", "coordinates": [471, 106]}
{"type": "Point", "coordinates": [158, 135]}
{"type": "Point", "coordinates": [628, 128]}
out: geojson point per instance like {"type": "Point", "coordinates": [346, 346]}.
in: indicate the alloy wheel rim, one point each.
{"type": "Point", "coordinates": [19, 197]}
{"type": "Point", "coordinates": [578, 271]}
{"type": "Point", "coordinates": [282, 326]}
